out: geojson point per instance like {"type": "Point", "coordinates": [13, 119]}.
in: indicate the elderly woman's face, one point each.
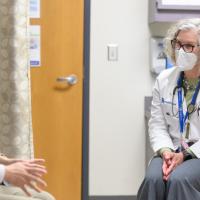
{"type": "Point", "coordinates": [188, 40]}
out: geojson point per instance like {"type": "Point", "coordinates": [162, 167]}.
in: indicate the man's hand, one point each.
{"type": "Point", "coordinates": [26, 173]}
{"type": "Point", "coordinates": [7, 161]}
{"type": "Point", "coordinates": [170, 162]}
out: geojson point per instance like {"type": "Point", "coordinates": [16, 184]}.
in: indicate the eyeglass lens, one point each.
{"type": "Point", "coordinates": [188, 48]}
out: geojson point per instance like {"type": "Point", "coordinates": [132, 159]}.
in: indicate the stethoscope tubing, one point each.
{"type": "Point", "coordinates": [183, 117]}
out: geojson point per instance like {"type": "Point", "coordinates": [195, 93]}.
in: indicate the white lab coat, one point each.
{"type": "Point", "coordinates": [163, 126]}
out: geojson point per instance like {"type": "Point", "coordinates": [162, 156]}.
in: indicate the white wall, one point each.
{"type": "Point", "coordinates": [117, 90]}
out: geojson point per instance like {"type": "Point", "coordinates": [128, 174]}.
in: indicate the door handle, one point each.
{"type": "Point", "coordinates": [71, 79]}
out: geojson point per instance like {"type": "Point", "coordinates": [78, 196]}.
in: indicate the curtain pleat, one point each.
{"type": "Point", "coordinates": [15, 107]}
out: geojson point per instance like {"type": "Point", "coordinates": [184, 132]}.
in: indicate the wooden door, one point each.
{"type": "Point", "coordinates": [57, 106]}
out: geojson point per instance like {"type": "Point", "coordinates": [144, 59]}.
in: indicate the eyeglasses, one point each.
{"type": "Point", "coordinates": [188, 48]}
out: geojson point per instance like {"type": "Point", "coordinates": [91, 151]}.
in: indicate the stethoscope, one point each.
{"type": "Point", "coordinates": [191, 108]}
{"type": "Point", "coordinates": [179, 86]}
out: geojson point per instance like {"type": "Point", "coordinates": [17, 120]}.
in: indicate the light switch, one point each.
{"type": "Point", "coordinates": [112, 52]}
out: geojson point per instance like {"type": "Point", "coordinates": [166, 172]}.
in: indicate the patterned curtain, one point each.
{"type": "Point", "coordinates": [15, 107]}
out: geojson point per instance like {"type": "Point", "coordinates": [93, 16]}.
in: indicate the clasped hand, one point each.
{"type": "Point", "coordinates": [170, 161]}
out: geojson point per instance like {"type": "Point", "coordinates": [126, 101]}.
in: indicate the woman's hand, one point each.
{"type": "Point", "coordinates": [167, 159]}
{"type": "Point", "coordinates": [176, 160]}
{"type": "Point", "coordinates": [170, 162]}
{"type": "Point", "coordinates": [26, 173]}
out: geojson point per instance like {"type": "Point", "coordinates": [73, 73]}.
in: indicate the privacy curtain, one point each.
{"type": "Point", "coordinates": [15, 112]}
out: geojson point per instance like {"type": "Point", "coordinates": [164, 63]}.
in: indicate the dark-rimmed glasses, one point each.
{"type": "Point", "coordinates": [188, 48]}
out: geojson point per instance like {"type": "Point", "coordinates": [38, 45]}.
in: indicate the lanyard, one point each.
{"type": "Point", "coordinates": [182, 117]}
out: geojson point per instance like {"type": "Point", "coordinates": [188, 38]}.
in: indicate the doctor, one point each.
{"type": "Point", "coordinates": [174, 126]}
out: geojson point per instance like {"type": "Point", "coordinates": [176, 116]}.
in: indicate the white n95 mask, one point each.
{"type": "Point", "coordinates": [185, 61]}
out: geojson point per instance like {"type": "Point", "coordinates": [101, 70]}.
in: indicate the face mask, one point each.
{"type": "Point", "coordinates": [185, 61]}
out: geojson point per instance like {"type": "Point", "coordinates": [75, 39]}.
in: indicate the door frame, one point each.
{"type": "Point", "coordinates": [86, 92]}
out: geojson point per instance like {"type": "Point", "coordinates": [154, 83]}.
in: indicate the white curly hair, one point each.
{"type": "Point", "coordinates": [186, 24]}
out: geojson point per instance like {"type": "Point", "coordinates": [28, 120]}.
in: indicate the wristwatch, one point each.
{"type": "Point", "coordinates": [186, 155]}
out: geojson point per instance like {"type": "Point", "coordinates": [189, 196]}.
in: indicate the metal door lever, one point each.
{"type": "Point", "coordinates": [71, 79]}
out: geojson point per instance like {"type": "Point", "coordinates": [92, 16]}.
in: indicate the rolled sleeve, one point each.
{"type": "Point", "coordinates": [195, 148]}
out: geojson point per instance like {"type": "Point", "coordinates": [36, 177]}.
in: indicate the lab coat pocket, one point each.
{"type": "Point", "coordinates": [170, 111]}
